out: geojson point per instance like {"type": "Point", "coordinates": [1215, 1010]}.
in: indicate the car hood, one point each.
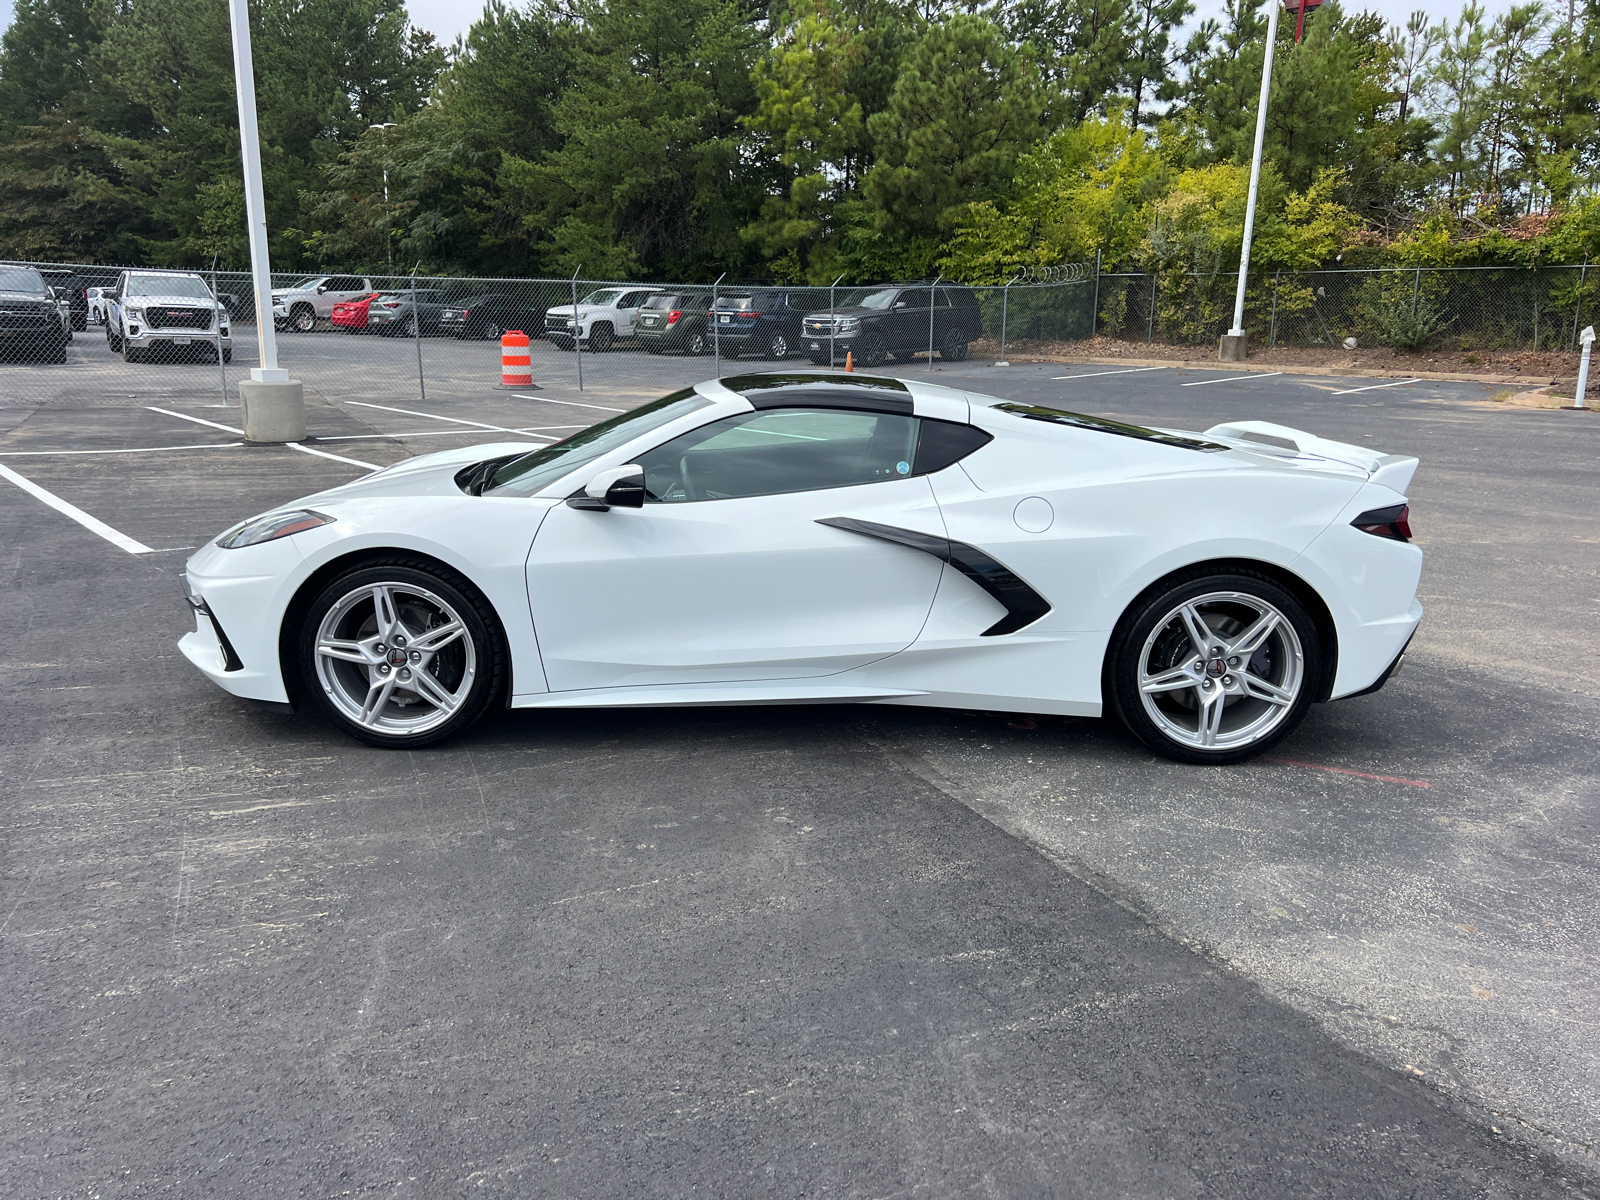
{"type": "Point", "coordinates": [842, 311]}
{"type": "Point", "coordinates": [178, 301]}
{"type": "Point", "coordinates": [426, 475]}
{"type": "Point", "coordinates": [23, 298]}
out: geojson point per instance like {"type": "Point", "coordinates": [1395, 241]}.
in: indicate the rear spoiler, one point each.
{"type": "Point", "coordinates": [1391, 470]}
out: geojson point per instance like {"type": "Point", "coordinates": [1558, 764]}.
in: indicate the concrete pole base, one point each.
{"type": "Point", "coordinates": [1233, 347]}
{"type": "Point", "coordinates": [273, 412]}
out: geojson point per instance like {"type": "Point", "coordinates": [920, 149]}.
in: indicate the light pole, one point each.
{"type": "Point", "coordinates": [388, 244]}
{"type": "Point", "coordinates": [1233, 342]}
{"type": "Point", "coordinates": [274, 405]}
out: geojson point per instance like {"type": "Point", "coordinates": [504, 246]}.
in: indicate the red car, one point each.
{"type": "Point", "coordinates": [351, 315]}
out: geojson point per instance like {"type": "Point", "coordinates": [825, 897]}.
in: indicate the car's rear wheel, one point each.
{"type": "Point", "coordinates": [954, 348]}
{"type": "Point", "coordinates": [871, 350]}
{"type": "Point", "coordinates": [401, 654]}
{"type": "Point", "coordinates": [695, 343]}
{"type": "Point", "coordinates": [1214, 668]}
{"type": "Point", "coordinates": [778, 347]}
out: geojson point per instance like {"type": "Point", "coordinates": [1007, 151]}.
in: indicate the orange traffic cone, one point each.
{"type": "Point", "coordinates": [849, 363]}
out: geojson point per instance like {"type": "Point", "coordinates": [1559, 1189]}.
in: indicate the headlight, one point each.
{"type": "Point", "coordinates": [271, 527]}
{"type": "Point", "coordinates": [135, 314]}
{"type": "Point", "coordinates": [849, 325]}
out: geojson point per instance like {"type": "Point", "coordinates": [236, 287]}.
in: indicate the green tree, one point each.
{"type": "Point", "coordinates": [967, 105]}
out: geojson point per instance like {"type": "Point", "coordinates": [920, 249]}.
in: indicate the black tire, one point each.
{"type": "Point", "coordinates": [778, 348]}
{"type": "Point", "coordinates": [302, 318]}
{"type": "Point", "coordinates": [601, 336]}
{"type": "Point", "coordinates": [128, 355]}
{"type": "Point", "coordinates": [411, 329]}
{"type": "Point", "coordinates": [954, 348]}
{"type": "Point", "coordinates": [58, 355]}
{"type": "Point", "coordinates": [114, 340]}
{"type": "Point", "coordinates": [480, 675]}
{"type": "Point", "coordinates": [1151, 631]}
{"type": "Point", "coordinates": [227, 356]}
{"type": "Point", "coordinates": [871, 350]}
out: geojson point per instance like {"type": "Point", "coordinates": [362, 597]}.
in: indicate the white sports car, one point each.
{"type": "Point", "coordinates": [807, 538]}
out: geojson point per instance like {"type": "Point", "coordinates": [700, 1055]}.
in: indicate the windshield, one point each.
{"type": "Point", "coordinates": [881, 299]}
{"type": "Point", "coordinates": [168, 285]}
{"type": "Point", "coordinates": [603, 296]}
{"type": "Point", "coordinates": [526, 475]}
{"type": "Point", "coordinates": [20, 279]}
{"type": "Point", "coordinates": [303, 285]}
{"type": "Point", "coordinates": [737, 303]}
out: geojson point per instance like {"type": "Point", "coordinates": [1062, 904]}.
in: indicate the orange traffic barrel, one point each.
{"type": "Point", "coordinates": [516, 365]}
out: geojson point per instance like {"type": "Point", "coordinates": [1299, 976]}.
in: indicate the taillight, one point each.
{"type": "Point", "coordinates": [749, 316]}
{"type": "Point", "coordinates": [1392, 522]}
{"type": "Point", "coordinates": [674, 315]}
{"type": "Point", "coordinates": [465, 311]}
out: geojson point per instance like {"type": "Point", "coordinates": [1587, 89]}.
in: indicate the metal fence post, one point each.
{"type": "Point", "coordinates": [216, 325]}
{"type": "Point", "coordinates": [1416, 291]}
{"type": "Point", "coordinates": [833, 321]}
{"type": "Point", "coordinates": [1155, 291]}
{"type": "Point", "coordinates": [576, 345]}
{"type": "Point", "coordinates": [1583, 277]}
{"type": "Point", "coordinates": [1272, 335]}
{"type": "Point", "coordinates": [1005, 308]}
{"type": "Point", "coordinates": [416, 330]}
{"type": "Point", "coordinates": [716, 334]}
{"type": "Point", "coordinates": [1094, 308]}
{"type": "Point", "coordinates": [931, 286]}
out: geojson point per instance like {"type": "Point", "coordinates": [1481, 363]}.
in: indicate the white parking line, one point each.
{"type": "Point", "coordinates": [1232, 378]}
{"type": "Point", "coordinates": [134, 450]}
{"type": "Point", "coordinates": [1374, 387]}
{"type": "Point", "coordinates": [167, 412]}
{"type": "Point", "coordinates": [354, 462]}
{"type": "Point", "coordinates": [574, 403]}
{"type": "Point", "coordinates": [92, 524]}
{"type": "Point", "coordinates": [411, 412]}
{"type": "Point", "coordinates": [1093, 374]}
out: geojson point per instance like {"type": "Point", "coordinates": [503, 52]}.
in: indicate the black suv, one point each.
{"type": "Point", "coordinates": [30, 322]}
{"type": "Point", "coordinates": [674, 321]}
{"type": "Point", "coordinates": [70, 286]}
{"type": "Point", "coordinates": [874, 323]}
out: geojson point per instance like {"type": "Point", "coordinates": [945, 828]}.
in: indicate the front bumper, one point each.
{"type": "Point", "coordinates": [238, 598]}
{"type": "Point", "coordinates": [177, 337]}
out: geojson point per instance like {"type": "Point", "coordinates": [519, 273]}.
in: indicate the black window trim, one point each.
{"type": "Point", "coordinates": [1061, 416]}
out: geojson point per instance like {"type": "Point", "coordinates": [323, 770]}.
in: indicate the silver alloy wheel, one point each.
{"type": "Point", "coordinates": [395, 657]}
{"type": "Point", "coordinates": [1221, 671]}
{"type": "Point", "coordinates": [304, 318]}
{"type": "Point", "coordinates": [779, 349]}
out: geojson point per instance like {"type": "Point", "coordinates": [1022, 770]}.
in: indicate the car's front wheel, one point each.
{"type": "Point", "coordinates": [401, 653]}
{"type": "Point", "coordinates": [871, 350]}
{"type": "Point", "coordinates": [1213, 668]}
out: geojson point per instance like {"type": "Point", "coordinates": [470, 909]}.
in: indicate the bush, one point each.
{"type": "Point", "coordinates": [1406, 325]}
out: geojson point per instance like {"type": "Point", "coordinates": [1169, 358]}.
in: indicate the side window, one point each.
{"type": "Point", "coordinates": [780, 450]}
{"type": "Point", "coordinates": [943, 300]}
{"type": "Point", "coordinates": [632, 300]}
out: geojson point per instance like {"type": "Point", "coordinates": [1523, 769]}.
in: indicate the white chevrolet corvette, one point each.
{"type": "Point", "coordinates": [810, 538]}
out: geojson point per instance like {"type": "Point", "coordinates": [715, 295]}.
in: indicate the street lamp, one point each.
{"type": "Point", "coordinates": [274, 405]}
{"type": "Point", "coordinates": [388, 246]}
{"type": "Point", "coordinates": [1233, 342]}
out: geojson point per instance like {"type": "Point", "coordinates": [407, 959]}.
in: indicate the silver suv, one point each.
{"type": "Point", "coordinates": [170, 311]}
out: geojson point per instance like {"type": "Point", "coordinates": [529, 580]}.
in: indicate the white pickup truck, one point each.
{"type": "Point", "coordinates": [165, 312]}
{"type": "Point", "coordinates": [604, 316]}
{"type": "Point", "coordinates": [306, 301]}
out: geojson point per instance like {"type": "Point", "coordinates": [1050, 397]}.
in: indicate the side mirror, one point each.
{"type": "Point", "coordinates": [321, 287]}
{"type": "Point", "coordinates": [616, 487]}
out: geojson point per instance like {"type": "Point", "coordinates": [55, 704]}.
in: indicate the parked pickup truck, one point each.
{"type": "Point", "coordinates": [603, 316]}
{"type": "Point", "coordinates": [165, 312]}
{"type": "Point", "coordinates": [306, 301]}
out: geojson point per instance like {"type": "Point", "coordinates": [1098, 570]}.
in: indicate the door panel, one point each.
{"type": "Point", "coordinates": [731, 590]}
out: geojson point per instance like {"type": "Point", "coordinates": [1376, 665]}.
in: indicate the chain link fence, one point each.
{"type": "Point", "coordinates": [1496, 309]}
{"type": "Point", "coordinates": [391, 338]}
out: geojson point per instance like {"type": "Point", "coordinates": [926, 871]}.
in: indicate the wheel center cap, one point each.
{"type": "Point", "coordinates": [397, 658]}
{"type": "Point", "coordinates": [1216, 668]}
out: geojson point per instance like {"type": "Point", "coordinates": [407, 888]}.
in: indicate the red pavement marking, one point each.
{"type": "Point", "coordinates": [1290, 762]}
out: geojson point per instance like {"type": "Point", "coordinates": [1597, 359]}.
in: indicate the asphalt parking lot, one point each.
{"type": "Point", "coordinates": [810, 951]}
